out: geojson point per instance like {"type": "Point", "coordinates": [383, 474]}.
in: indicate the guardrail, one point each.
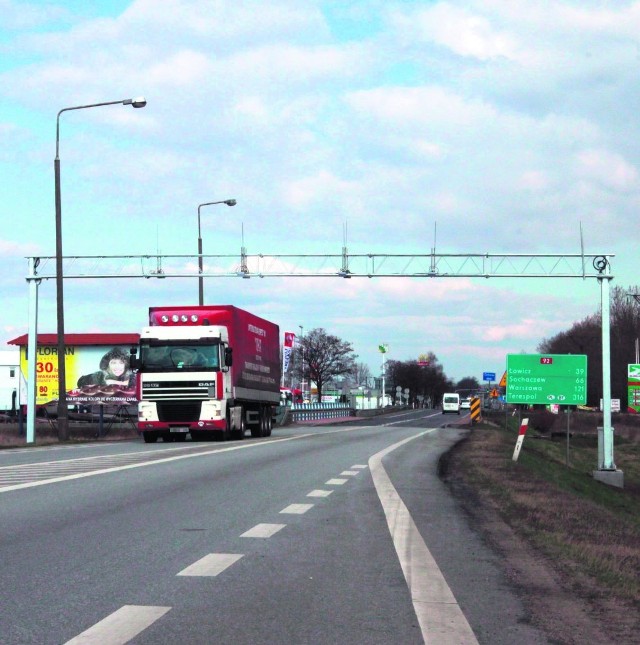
{"type": "Point", "coordinates": [314, 411]}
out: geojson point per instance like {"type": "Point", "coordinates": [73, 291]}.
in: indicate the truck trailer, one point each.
{"type": "Point", "coordinates": [209, 371]}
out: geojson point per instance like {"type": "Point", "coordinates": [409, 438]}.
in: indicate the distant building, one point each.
{"type": "Point", "coordinates": [9, 380]}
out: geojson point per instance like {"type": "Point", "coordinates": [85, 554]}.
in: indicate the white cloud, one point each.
{"type": "Point", "coordinates": [609, 169]}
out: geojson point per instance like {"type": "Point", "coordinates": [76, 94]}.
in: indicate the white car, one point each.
{"type": "Point", "coordinates": [465, 404]}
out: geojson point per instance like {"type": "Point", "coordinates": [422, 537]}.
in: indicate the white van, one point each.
{"type": "Point", "coordinates": [451, 403]}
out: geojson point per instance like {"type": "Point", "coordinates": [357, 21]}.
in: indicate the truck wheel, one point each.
{"type": "Point", "coordinates": [237, 433]}
{"type": "Point", "coordinates": [269, 422]}
{"type": "Point", "coordinates": [150, 437]}
{"type": "Point", "coordinates": [258, 429]}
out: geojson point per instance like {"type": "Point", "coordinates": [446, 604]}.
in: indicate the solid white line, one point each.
{"type": "Point", "coordinates": [211, 565]}
{"type": "Point", "coordinates": [263, 530]}
{"type": "Point", "coordinates": [440, 617]}
{"type": "Point", "coordinates": [297, 509]}
{"type": "Point", "coordinates": [336, 482]}
{"type": "Point", "coordinates": [319, 493]}
{"type": "Point", "coordinates": [53, 480]}
{"type": "Point", "coordinates": [121, 626]}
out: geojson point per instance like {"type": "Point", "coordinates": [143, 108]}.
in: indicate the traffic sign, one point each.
{"type": "Point", "coordinates": [488, 376]}
{"type": "Point", "coordinates": [547, 378]}
{"type": "Point", "coordinates": [503, 380]}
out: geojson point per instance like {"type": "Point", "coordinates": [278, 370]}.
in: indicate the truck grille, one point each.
{"type": "Point", "coordinates": [184, 412]}
{"type": "Point", "coordinates": [177, 390]}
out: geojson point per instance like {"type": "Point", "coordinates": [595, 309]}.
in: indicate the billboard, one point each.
{"type": "Point", "coordinates": [93, 374]}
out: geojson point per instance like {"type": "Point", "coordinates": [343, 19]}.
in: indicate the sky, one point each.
{"type": "Point", "coordinates": [386, 127]}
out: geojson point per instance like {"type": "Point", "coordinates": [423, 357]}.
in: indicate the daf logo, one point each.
{"type": "Point", "coordinates": [152, 384]}
{"type": "Point", "coordinates": [208, 384]}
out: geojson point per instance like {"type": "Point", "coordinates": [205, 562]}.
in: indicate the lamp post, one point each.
{"type": "Point", "coordinates": [63, 417]}
{"type": "Point", "coordinates": [228, 202]}
{"type": "Point", "coordinates": [302, 364]}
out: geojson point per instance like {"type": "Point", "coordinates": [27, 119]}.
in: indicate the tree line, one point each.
{"type": "Point", "coordinates": [321, 357]}
{"type": "Point", "coordinates": [585, 337]}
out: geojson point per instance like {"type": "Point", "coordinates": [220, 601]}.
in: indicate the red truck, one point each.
{"type": "Point", "coordinates": [210, 371]}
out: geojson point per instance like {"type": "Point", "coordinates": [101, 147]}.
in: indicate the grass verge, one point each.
{"type": "Point", "coordinates": [586, 533]}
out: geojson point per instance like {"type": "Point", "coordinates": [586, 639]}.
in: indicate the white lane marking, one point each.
{"type": "Point", "coordinates": [349, 473]}
{"type": "Point", "coordinates": [53, 480]}
{"type": "Point", "coordinates": [336, 482]}
{"type": "Point", "coordinates": [440, 617]}
{"type": "Point", "coordinates": [120, 626]}
{"type": "Point", "coordinates": [263, 530]}
{"type": "Point", "coordinates": [117, 455]}
{"type": "Point", "coordinates": [359, 466]}
{"type": "Point", "coordinates": [296, 509]}
{"type": "Point", "coordinates": [211, 565]}
{"type": "Point", "coordinates": [319, 493]}
{"type": "Point", "coordinates": [426, 416]}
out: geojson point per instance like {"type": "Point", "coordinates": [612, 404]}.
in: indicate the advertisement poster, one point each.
{"type": "Point", "coordinates": [93, 374]}
{"type": "Point", "coordinates": [289, 339]}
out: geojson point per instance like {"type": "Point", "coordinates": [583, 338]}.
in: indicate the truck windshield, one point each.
{"type": "Point", "coordinates": [165, 356]}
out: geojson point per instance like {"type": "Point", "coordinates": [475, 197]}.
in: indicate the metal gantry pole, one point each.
{"type": "Point", "coordinates": [607, 430]}
{"type": "Point", "coordinates": [32, 353]}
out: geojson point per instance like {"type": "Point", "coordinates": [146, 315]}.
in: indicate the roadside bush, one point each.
{"type": "Point", "coordinates": [541, 420]}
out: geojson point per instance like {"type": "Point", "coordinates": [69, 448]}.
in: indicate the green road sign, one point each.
{"type": "Point", "coordinates": [633, 390]}
{"type": "Point", "coordinates": [547, 379]}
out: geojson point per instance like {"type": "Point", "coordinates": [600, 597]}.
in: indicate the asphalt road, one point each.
{"type": "Point", "coordinates": [325, 534]}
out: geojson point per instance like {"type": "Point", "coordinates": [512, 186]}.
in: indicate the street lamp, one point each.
{"type": "Point", "coordinates": [63, 417]}
{"type": "Point", "coordinates": [228, 202]}
{"type": "Point", "coordinates": [302, 363]}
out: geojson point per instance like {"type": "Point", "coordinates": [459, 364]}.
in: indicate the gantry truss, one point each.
{"type": "Point", "coordinates": [344, 265]}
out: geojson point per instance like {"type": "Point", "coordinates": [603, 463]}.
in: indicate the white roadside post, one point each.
{"type": "Point", "coordinates": [523, 430]}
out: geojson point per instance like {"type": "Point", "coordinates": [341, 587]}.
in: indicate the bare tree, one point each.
{"type": "Point", "coordinates": [467, 385]}
{"type": "Point", "coordinates": [325, 357]}
{"type": "Point", "coordinates": [428, 380]}
{"type": "Point", "coordinates": [585, 337]}
{"type": "Point", "coordinates": [361, 373]}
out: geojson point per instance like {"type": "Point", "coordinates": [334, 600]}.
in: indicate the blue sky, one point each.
{"type": "Point", "coordinates": [506, 123]}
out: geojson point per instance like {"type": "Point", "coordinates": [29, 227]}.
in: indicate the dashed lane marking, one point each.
{"type": "Point", "coordinates": [296, 509]}
{"type": "Point", "coordinates": [211, 565]}
{"type": "Point", "coordinates": [335, 482]}
{"type": "Point", "coordinates": [263, 530]}
{"type": "Point", "coordinates": [121, 626]}
{"type": "Point", "coordinates": [349, 473]}
{"type": "Point", "coordinates": [319, 493]}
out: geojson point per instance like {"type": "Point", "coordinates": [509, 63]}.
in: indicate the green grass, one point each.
{"type": "Point", "coordinates": [591, 531]}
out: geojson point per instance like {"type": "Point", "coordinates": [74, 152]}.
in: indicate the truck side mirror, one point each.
{"type": "Point", "coordinates": [228, 356]}
{"type": "Point", "coordinates": [134, 363]}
